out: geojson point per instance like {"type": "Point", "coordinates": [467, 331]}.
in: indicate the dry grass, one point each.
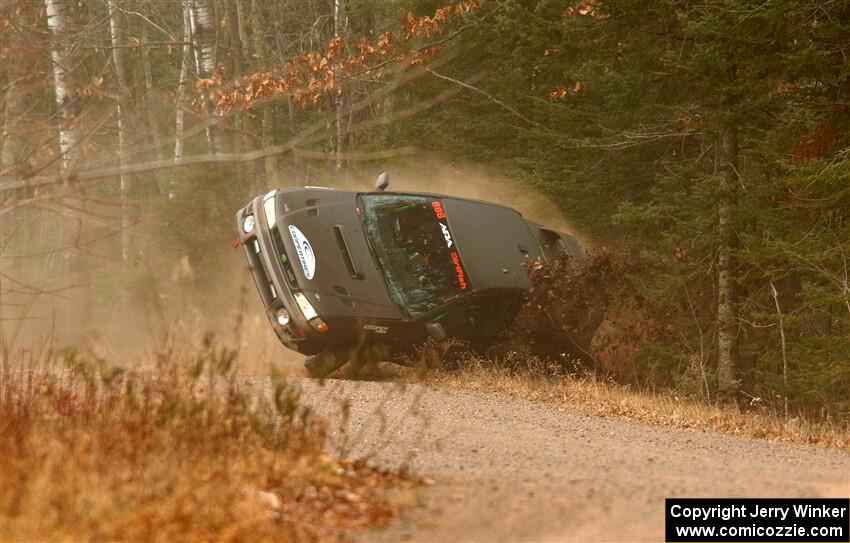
{"type": "Point", "coordinates": [537, 381]}
{"type": "Point", "coordinates": [179, 453]}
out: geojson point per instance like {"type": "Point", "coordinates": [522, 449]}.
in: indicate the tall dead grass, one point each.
{"type": "Point", "coordinates": [180, 452]}
{"type": "Point", "coordinates": [534, 379]}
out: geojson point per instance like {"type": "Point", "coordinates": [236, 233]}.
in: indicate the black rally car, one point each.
{"type": "Point", "coordinates": [352, 276]}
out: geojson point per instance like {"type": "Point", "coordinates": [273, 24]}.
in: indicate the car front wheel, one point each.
{"type": "Point", "coordinates": [326, 362]}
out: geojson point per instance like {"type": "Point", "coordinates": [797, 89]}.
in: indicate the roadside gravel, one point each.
{"type": "Point", "coordinates": [507, 469]}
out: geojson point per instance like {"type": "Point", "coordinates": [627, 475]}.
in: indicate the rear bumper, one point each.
{"type": "Point", "coordinates": [271, 280]}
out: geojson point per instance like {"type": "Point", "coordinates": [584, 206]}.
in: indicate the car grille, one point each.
{"type": "Point", "coordinates": [258, 271]}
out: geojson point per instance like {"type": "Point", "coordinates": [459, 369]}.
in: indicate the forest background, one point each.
{"type": "Point", "coordinates": [707, 141]}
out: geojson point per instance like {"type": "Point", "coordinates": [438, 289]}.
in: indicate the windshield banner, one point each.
{"type": "Point", "coordinates": [453, 254]}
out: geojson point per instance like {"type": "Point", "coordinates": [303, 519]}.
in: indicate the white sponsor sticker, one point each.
{"type": "Point", "coordinates": [447, 235]}
{"type": "Point", "coordinates": [305, 252]}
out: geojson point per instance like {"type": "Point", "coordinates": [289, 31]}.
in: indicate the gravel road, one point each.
{"type": "Point", "coordinates": [507, 469]}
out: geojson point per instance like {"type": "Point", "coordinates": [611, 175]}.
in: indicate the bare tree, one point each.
{"type": "Point", "coordinates": [339, 31]}
{"type": "Point", "coordinates": [12, 107]}
{"type": "Point", "coordinates": [204, 42]}
{"type": "Point", "coordinates": [238, 57]}
{"type": "Point", "coordinates": [117, 37]}
{"type": "Point", "coordinates": [72, 232]}
{"type": "Point", "coordinates": [147, 94]}
{"type": "Point", "coordinates": [184, 76]}
{"type": "Point", "coordinates": [63, 80]}
{"type": "Point", "coordinates": [266, 120]}
{"type": "Point", "coordinates": [235, 44]}
{"type": "Point", "coordinates": [242, 30]}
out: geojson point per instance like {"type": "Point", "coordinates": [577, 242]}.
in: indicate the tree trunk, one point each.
{"type": "Point", "coordinates": [63, 81]}
{"type": "Point", "coordinates": [117, 36]}
{"type": "Point", "coordinates": [266, 117]}
{"type": "Point", "coordinates": [235, 43]}
{"type": "Point", "coordinates": [242, 31]}
{"type": "Point", "coordinates": [179, 118]}
{"type": "Point", "coordinates": [204, 41]}
{"type": "Point", "coordinates": [339, 31]}
{"type": "Point", "coordinates": [237, 58]}
{"type": "Point", "coordinates": [71, 269]}
{"type": "Point", "coordinates": [12, 111]}
{"type": "Point", "coordinates": [153, 129]}
{"type": "Point", "coordinates": [727, 317]}
{"type": "Point", "coordinates": [784, 349]}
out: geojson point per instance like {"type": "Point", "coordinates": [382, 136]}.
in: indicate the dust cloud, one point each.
{"type": "Point", "coordinates": [183, 286]}
{"type": "Point", "coordinates": [462, 180]}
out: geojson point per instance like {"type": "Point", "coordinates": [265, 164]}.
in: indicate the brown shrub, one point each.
{"type": "Point", "coordinates": [534, 379]}
{"type": "Point", "coordinates": [183, 452]}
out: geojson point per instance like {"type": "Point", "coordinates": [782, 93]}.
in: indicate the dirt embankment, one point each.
{"type": "Point", "coordinates": [584, 313]}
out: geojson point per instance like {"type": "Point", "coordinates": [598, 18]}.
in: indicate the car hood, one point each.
{"type": "Point", "coordinates": [325, 243]}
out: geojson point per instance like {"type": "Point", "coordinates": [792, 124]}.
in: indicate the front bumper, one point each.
{"type": "Point", "coordinates": [273, 280]}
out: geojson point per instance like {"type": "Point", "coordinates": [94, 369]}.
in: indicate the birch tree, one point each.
{"type": "Point", "coordinates": [64, 84]}
{"type": "Point", "coordinates": [204, 42]}
{"type": "Point", "coordinates": [71, 226]}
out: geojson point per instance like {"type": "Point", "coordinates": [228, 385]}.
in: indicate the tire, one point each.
{"type": "Point", "coordinates": [309, 349]}
{"type": "Point", "coordinates": [367, 355]}
{"type": "Point", "coordinates": [328, 361]}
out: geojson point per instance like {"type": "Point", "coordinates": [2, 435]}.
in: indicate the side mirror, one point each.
{"type": "Point", "coordinates": [383, 181]}
{"type": "Point", "coordinates": [436, 331]}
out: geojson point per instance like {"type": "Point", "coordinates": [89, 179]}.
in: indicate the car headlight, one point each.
{"type": "Point", "coordinates": [248, 224]}
{"type": "Point", "coordinates": [268, 207]}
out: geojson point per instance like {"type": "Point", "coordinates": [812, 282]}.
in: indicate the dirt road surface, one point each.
{"type": "Point", "coordinates": [507, 469]}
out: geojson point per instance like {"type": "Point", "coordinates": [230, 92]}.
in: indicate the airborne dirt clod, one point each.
{"type": "Point", "coordinates": [583, 313]}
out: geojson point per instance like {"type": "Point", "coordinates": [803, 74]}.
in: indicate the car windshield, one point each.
{"type": "Point", "coordinates": [411, 239]}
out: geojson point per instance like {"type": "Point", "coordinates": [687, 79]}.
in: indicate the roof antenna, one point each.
{"type": "Point", "coordinates": [383, 181]}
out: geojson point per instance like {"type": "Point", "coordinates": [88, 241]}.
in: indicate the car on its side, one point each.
{"type": "Point", "coordinates": [358, 275]}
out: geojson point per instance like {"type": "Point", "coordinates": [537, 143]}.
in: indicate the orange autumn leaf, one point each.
{"type": "Point", "coordinates": [558, 94]}
{"type": "Point", "coordinates": [307, 77]}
